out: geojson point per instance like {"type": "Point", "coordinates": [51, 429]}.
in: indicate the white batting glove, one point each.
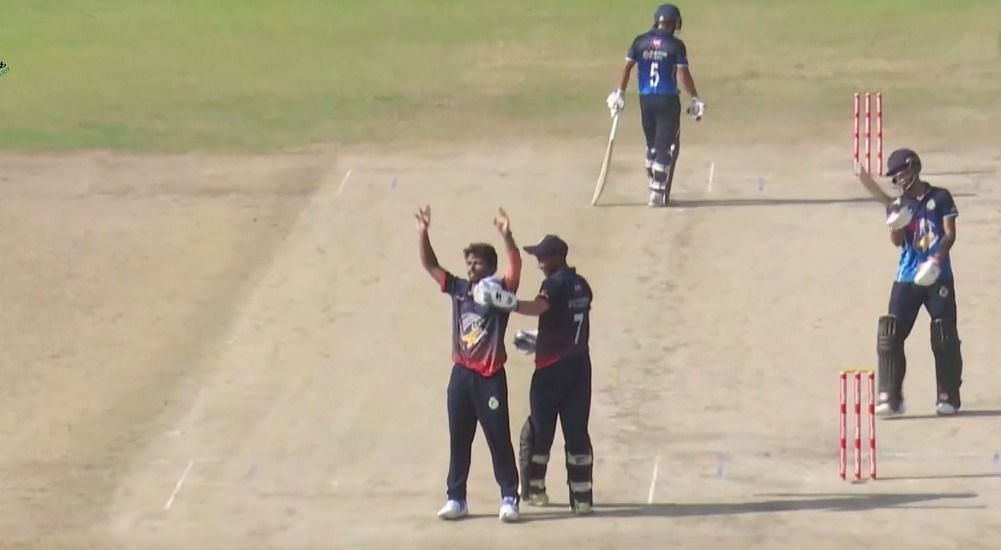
{"type": "Point", "coordinates": [928, 273]}
{"type": "Point", "coordinates": [697, 109]}
{"type": "Point", "coordinates": [616, 101]}
{"type": "Point", "coordinates": [899, 218]}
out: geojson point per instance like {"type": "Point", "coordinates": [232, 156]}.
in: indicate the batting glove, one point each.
{"type": "Point", "coordinates": [697, 109]}
{"type": "Point", "coordinates": [616, 101]}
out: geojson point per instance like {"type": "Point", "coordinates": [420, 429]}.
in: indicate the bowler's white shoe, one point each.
{"type": "Point", "coordinates": [454, 509]}
{"type": "Point", "coordinates": [509, 510]}
{"type": "Point", "coordinates": [944, 408]}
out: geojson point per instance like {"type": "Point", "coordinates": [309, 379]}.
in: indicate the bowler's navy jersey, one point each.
{"type": "Point", "coordinates": [923, 236]}
{"type": "Point", "coordinates": [477, 330]}
{"type": "Point", "coordinates": [565, 328]}
{"type": "Point", "coordinates": [657, 54]}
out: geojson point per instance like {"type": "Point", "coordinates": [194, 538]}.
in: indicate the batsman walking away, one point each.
{"type": "Point", "coordinates": [661, 60]}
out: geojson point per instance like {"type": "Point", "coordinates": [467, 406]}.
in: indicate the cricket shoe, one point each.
{"type": "Point", "coordinates": [582, 508]}
{"type": "Point", "coordinates": [944, 408]}
{"type": "Point", "coordinates": [509, 510]}
{"type": "Point", "coordinates": [454, 509]}
{"type": "Point", "coordinates": [536, 499]}
{"type": "Point", "coordinates": [884, 408]}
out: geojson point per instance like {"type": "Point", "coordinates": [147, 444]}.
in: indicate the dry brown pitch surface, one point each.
{"type": "Point", "coordinates": [230, 352]}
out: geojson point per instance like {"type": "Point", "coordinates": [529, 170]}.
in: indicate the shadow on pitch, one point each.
{"type": "Point", "coordinates": [944, 476]}
{"type": "Point", "coordinates": [986, 413]}
{"type": "Point", "coordinates": [971, 172]}
{"type": "Point", "coordinates": [782, 502]}
{"type": "Point", "coordinates": [727, 203]}
{"type": "Point", "coordinates": [681, 203]}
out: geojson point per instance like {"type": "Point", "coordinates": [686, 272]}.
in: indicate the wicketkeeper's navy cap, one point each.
{"type": "Point", "coordinates": [548, 247]}
{"type": "Point", "coordinates": [900, 160]}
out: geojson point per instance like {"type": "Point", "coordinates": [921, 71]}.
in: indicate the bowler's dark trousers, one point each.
{"type": "Point", "coordinates": [473, 397]}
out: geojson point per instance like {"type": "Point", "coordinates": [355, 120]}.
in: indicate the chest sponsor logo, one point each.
{"type": "Point", "coordinates": [926, 235]}
{"type": "Point", "coordinates": [472, 329]}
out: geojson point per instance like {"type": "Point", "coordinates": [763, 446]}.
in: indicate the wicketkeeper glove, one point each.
{"type": "Point", "coordinates": [525, 340]}
{"type": "Point", "coordinates": [489, 292]}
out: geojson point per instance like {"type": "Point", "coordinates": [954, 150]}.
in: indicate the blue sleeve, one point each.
{"type": "Point", "coordinates": [682, 55]}
{"type": "Point", "coordinates": [946, 205]}
{"type": "Point", "coordinates": [632, 54]}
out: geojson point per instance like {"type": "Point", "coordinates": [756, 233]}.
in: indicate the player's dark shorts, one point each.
{"type": "Point", "coordinates": [661, 117]}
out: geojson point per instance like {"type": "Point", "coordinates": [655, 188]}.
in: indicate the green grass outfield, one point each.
{"type": "Point", "coordinates": [256, 75]}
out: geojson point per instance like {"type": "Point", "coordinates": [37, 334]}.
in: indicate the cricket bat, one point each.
{"type": "Point", "coordinates": [873, 188]}
{"type": "Point", "coordinates": [599, 186]}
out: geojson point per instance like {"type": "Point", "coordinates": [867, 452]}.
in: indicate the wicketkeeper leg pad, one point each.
{"type": "Point", "coordinates": [532, 466]}
{"type": "Point", "coordinates": [580, 468]}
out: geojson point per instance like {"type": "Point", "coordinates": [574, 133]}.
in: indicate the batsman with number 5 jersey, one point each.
{"type": "Point", "coordinates": [661, 60]}
{"type": "Point", "coordinates": [561, 384]}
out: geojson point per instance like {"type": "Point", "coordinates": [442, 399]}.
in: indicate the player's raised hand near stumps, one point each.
{"type": "Point", "coordinates": [423, 219]}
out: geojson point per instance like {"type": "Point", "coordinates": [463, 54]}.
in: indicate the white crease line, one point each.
{"type": "Point", "coordinates": [180, 481]}
{"type": "Point", "coordinates": [344, 181]}
{"type": "Point", "coordinates": [712, 171]}
{"type": "Point", "coordinates": [653, 480]}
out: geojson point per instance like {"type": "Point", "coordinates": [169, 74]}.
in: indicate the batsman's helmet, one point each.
{"type": "Point", "coordinates": [903, 166]}
{"type": "Point", "coordinates": [667, 12]}
{"type": "Point", "coordinates": [902, 159]}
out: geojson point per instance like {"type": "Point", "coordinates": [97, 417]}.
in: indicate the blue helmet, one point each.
{"type": "Point", "coordinates": [667, 12]}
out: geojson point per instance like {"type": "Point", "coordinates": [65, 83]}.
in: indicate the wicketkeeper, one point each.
{"type": "Point", "coordinates": [922, 223]}
{"type": "Point", "coordinates": [561, 384]}
{"type": "Point", "coordinates": [662, 62]}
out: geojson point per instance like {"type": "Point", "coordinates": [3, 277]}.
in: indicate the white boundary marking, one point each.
{"type": "Point", "coordinates": [653, 480]}
{"type": "Point", "coordinates": [344, 181]}
{"type": "Point", "coordinates": [177, 487]}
